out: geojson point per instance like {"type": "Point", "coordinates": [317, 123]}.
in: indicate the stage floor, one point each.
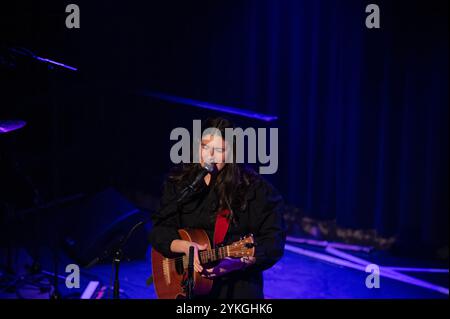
{"type": "Point", "coordinates": [295, 276]}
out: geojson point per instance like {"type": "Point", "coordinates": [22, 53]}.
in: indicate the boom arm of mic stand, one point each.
{"type": "Point", "coordinates": [184, 193]}
{"type": "Point", "coordinates": [119, 246]}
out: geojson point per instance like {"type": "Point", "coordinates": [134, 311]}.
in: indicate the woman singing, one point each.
{"type": "Point", "coordinates": [252, 206]}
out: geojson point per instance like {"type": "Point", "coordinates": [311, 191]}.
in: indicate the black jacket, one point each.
{"type": "Point", "coordinates": [262, 217]}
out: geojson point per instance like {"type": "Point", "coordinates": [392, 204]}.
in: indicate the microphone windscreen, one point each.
{"type": "Point", "coordinates": [209, 167]}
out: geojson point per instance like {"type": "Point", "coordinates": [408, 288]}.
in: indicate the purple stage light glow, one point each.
{"type": "Point", "coordinates": [65, 66]}
{"type": "Point", "coordinates": [11, 125]}
{"type": "Point", "coordinates": [350, 261]}
{"type": "Point", "coordinates": [211, 106]}
{"type": "Point", "coordinates": [427, 270]}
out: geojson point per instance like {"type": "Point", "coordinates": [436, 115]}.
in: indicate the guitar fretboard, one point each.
{"type": "Point", "coordinates": [215, 254]}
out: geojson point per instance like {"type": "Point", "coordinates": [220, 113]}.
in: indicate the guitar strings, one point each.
{"type": "Point", "coordinates": [203, 252]}
{"type": "Point", "coordinates": [180, 259]}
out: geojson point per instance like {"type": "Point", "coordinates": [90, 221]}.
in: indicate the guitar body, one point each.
{"type": "Point", "coordinates": [169, 275]}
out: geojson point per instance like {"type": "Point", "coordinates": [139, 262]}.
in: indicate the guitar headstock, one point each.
{"type": "Point", "coordinates": [242, 248]}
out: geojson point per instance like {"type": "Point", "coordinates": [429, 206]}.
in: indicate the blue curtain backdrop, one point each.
{"type": "Point", "coordinates": [363, 112]}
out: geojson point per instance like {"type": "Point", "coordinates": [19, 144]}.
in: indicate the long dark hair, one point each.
{"type": "Point", "coordinates": [232, 182]}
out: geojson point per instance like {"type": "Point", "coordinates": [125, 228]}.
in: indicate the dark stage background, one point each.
{"type": "Point", "coordinates": [363, 113]}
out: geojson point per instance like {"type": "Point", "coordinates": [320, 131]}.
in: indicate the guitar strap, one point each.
{"type": "Point", "coordinates": [221, 228]}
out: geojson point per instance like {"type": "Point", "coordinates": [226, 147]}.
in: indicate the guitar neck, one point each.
{"type": "Point", "coordinates": [211, 255]}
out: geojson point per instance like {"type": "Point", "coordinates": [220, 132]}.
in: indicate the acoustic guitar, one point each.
{"type": "Point", "coordinates": [170, 274]}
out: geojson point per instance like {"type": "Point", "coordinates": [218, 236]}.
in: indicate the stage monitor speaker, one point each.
{"type": "Point", "coordinates": [98, 223]}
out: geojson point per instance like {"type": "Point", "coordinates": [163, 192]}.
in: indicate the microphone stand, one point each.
{"type": "Point", "coordinates": [208, 169]}
{"type": "Point", "coordinates": [190, 278]}
{"type": "Point", "coordinates": [117, 253]}
{"type": "Point", "coordinates": [116, 262]}
{"type": "Point", "coordinates": [189, 284]}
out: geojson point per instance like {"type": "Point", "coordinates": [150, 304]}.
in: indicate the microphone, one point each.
{"type": "Point", "coordinates": [208, 168]}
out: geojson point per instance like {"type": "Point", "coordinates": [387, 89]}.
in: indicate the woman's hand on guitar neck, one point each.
{"type": "Point", "coordinates": [228, 265]}
{"type": "Point", "coordinates": [182, 246]}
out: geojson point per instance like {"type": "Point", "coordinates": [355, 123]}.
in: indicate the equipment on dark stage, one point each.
{"type": "Point", "coordinates": [90, 229]}
{"type": "Point", "coordinates": [105, 227]}
{"type": "Point", "coordinates": [10, 56]}
{"type": "Point", "coordinates": [23, 211]}
{"type": "Point", "coordinates": [117, 254]}
{"type": "Point", "coordinates": [97, 225]}
{"type": "Point", "coordinates": [86, 229]}
{"type": "Point", "coordinates": [171, 275]}
{"type": "Point", "coordinates": [11, 125]}
{"type": "Point", "coordinates": [33, 230]}
{"type": "Point", "coordinates": [29, 223]}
